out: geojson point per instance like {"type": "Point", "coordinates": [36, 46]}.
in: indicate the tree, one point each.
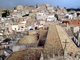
{"type": "Point", "coordinates": [5, 13]}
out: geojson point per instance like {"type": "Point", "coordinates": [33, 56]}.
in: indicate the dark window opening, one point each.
{"type": "Point", "coordinates": [41, 43]}
{"type": "Point", "coordinates": [25, 15]}
{"type": "Point", "coordinates": [22, 27]}
{"type": "Point", "coordinates": [7, 40]}
{"type": "Point", "coordinates": [31, 29]}
{"type": "Point", "coordinates": [78, 14]}
{"type": "Point", "coordinates": [36, 28]}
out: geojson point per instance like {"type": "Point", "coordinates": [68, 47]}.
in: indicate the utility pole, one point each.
{"type": "Point", "coordinates": [65, 42]}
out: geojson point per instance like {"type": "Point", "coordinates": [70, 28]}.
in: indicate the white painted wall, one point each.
{"type": "Point", "coordinates": [15, 27]}
{"type": "Point", "coordinates": [75, 29]}
{"type": "Point", "coordinates": [51, 18]}
{"type": "Point", "coordinates": [41, 16]}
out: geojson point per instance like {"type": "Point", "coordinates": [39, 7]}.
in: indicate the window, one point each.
{"type": "Point", "coordinates": [22, 27]}
{"type": "Point", "coordinates": [15, 28]}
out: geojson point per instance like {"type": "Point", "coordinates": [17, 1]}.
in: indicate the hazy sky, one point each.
{"type": "Point", "coordinates": [61, 3]}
